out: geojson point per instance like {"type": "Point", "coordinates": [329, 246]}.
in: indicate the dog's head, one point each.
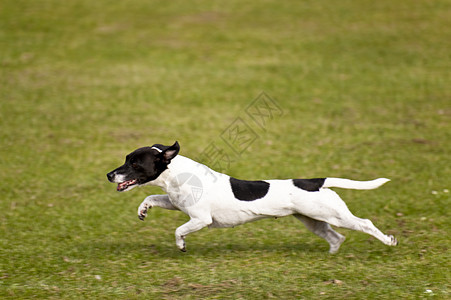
{"type": "Point", "coordinates": [143, 166]}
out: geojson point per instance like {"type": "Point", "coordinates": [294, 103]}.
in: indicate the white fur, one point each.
{"type": "Point", "coordinates": [218, 207]}
{"type": "Point", "coordinates": [118, 178]}
{"type": "Point", "coordinates": [352, 184]}
{"type": "Point", "coordinates": [156, 148]}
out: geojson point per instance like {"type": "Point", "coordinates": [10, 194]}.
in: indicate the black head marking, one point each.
{"type": "Point", "coordinates": [143, 165]}
{"type": "Point", "coordinates": [310, 185]}
{"type": "Point", "coordinates": [248, 190]}
{"type": "Point", "coordinates": [166, 152]}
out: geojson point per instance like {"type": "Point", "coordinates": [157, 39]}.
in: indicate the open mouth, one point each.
{"type": "Point", "coordinates": [126, 184]}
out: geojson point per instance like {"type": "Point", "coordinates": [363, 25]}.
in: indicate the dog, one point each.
{"type": "Point", "coordinates": [214, 199]}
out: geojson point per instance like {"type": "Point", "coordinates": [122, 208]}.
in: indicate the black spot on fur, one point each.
{"type": "Point", "coordinates": [248, 190]}
{"type": "Point", "coordinates": [311, 185]}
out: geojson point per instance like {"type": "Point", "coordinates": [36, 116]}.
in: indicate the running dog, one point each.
{"type": "Point", "coordinates": [214, 199]}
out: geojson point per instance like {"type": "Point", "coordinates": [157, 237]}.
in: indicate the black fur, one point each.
{"type": "Point", "coordinates": [248, 190]}
{"type": "Point", "coordinates": [145, 164]}
{"type": "Point", "coordinates": [311, 185]}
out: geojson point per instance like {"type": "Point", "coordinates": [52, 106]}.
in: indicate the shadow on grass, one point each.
{"type": "Point", "coordinates": [195, 249]}
{"type": "Point", "coordinates": [165, 249]}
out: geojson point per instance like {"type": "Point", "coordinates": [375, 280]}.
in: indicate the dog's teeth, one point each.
{"type": "Point", "coordinates": [126, 184]}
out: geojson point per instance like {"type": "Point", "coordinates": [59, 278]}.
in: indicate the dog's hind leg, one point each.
{"type": "Point", "coordinates": [328, 207]}
{"type": "Point", "coordinates": [335, 212]}
{"type": "Point", "coordinates": [323, 229]}
{"type": "Point", "coordinates": [364, 225]}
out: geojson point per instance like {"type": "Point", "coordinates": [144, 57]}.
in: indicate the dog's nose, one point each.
{"type": "Point", "coordinates": [110, 176]}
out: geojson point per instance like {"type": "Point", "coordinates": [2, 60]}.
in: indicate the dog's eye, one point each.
{"type": "Point", "coordinates": [135, 166]}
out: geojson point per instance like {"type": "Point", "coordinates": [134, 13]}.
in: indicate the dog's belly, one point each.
{"type": "Point", "coordinates": [226, 217]}
{"type": "Point", "coordinates": [224, 220]}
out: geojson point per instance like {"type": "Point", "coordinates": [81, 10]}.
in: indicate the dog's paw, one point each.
{"type": "Point", "coordinates": [393, 240]}
{"type": "Point", "coordinates": [180, 242]}
{"type": "Point", "coordinates": [334, 247]}
{"type": "Point", "coordinates": [142, 212]}
{"type": "Point", "coordinates": [142, 216]}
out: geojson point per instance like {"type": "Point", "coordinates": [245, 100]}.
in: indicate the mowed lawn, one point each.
{"type": "Point", "coordinates": [360, 90]}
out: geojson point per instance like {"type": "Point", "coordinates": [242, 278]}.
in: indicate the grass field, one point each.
{"type": "Point", "coordinates": [363, 89]}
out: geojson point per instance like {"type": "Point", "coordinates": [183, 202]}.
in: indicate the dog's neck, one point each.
{"type": "Point", "coordinates": [181, 165]}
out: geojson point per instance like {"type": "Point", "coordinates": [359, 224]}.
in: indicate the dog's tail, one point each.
{"type": "Point", "coordinates": [353, 184]}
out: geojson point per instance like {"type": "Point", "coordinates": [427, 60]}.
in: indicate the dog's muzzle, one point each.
{"type": "Point", "coordinates": [110, 176]}
{"type": "Point", "coordinates": [122, 184]}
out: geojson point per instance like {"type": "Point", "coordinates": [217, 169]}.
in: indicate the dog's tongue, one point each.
{"type": "Point", "coordinates": [124, 185]}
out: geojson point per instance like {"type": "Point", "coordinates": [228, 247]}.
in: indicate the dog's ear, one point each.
{"type": "Point", "coordinates": [171, 152]}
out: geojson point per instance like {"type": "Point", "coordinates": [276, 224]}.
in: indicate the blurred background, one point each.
{"type": "Point", "coordinates": [359, 89]}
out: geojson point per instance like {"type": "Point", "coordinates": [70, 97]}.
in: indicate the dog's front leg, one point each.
{"type": "Point", "coordinates": [192, 225]}
{"type": "Point", "coordinates": [154, 200]}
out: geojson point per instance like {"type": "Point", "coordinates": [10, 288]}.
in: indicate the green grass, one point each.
{"type": "Point", "coordinates": [364, 87]}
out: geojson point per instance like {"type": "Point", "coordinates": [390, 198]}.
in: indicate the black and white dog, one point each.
{"type": "Point", "coordinates": [217, 200]}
